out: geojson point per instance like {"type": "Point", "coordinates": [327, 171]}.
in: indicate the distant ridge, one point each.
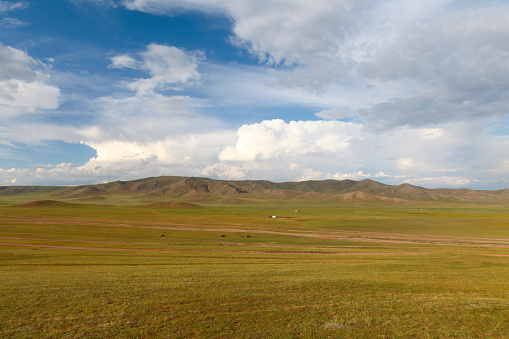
{"type": "Point", "coordinates": [11, 190]}
{"type": "Point", "coordinates": [45, 203]}
{"type": "Point", "coordinates": [201, 189]}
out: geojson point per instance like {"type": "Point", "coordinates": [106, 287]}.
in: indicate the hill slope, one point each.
{"type": "Point", "coordinates": [189, 188]}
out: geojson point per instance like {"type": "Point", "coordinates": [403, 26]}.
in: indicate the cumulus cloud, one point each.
{"type": "Point", "coordinates": [168, 66]}
{"type": "Point", "coordinates": [316, 147]}
{"type": "Point", "coordinates": [274, 138]}
{"type": "Point", "coordinates": [456, 155]}
{"type": "Point", "coordinates": [186, 148]}
{"type": "Point", "coordinates": [23, 87]}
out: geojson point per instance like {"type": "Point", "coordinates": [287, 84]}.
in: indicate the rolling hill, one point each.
{"type": "Point", "coordinates": [196, 189]}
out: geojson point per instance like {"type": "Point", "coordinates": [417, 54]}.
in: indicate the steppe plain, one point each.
{"type": "Point", "coordinates": [180, 257]}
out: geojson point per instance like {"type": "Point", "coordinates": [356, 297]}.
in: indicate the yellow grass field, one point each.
{"type": "Point", "coordinates": [217, 270]}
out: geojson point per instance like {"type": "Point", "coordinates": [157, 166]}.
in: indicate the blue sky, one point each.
{"type": "Point", "coordinates": [395, 91]}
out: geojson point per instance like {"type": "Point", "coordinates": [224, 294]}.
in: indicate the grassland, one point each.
{"type": "Point", "coordinates": [215, 270]}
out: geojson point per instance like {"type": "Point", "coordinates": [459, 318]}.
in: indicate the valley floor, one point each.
{"type": "Point", "coordinates": [231, 271]}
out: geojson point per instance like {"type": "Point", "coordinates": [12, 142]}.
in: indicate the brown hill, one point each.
{"type": "Point", "coordinates": [79, 192]}
{"type": "Point", "coordinates": [171, 204]}
{"type": "Point", "coordinates": [364, 196]}
{"type": "Point", "coordinates": [12, 190]}
{"type": "Point", "coordinates": [328, 186]}
{"type": "Point", "coordinates": [369, 186]}
{"type": "Point", "coordinates": [193, 189]}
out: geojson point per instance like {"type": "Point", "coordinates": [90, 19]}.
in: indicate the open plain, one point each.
{"type": "Point", "coordinates": [191, 267]}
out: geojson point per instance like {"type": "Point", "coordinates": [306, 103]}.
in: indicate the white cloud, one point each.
{"type": "Point", "coordinates": [169, 67]}
{"type": "Point", "coordinates": [183, 149]}
{"type": "Point", "coordinates": [223, 171]}
{"type": "Point", "coordinates": [105, 3]}
{"type": "Point", "coordinates": [10, 176]}
{"type": "Point", "coordinates": [18, 97]}
{"type": "Point", "coordinates": [124, 61]}
{"type": "Point", "coordinates": [292, 31]}
{"type": "Point", "coordinates": [17, 64]}
{"type": "Point", "coordinates": [274, 138]}
{"type": "Point", "coordinates": [332, 114]}
{"type": "Point", "coordinates": [405, 163]}
{"type": "Point", "coordinates": [381, 175]}
{"type": "Point", "coordinates": [360, 175]}
{"type": "Point", "coordinates": [287, 31]}
{"type": "Point", "coordinates": [24, 88]}
{"type": "Point", "coordinates": [440, 181]}
{"type": "Point", "coordinates": [457, 155]}
{"type": "Point", "coordinates": [309, 174]}
{"type": "Point", "coordinates": [6, 6]}
{"type": "Point", "coordinates": [172, 105]}
{"type": "Point", "coordinates": [418, 63]}
{"type": "Point", "coordinates": [165, 7]}
{"type": "Point", "coordinates": [12, 23]}
{"type": "Point", "coordinates": [148, 118]}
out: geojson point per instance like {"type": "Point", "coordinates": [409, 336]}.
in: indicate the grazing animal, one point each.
{"type": "Point", "coordinates": [162, 235]}
{"type": "Point", "coordinates": [249, 236]}
{"type": "Point", "coordinates": [223, 236]}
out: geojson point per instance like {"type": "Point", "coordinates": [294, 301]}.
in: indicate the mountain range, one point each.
{"type": "Point", "coordinates": [196, 188]}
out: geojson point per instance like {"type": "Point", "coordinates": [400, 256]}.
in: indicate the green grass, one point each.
{"type": "Point", "coordinates": [105, 271]}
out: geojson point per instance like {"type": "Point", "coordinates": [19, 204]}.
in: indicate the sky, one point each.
{"type": "Point", "coordinates": [396, 91]}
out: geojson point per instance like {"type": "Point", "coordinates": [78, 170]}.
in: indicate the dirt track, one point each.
{"type": "Point", "coordinates": [371, 237]}
{"type": "Point", "coordinates": [209, 251]}
{"type": "Point", "coordinates": [235, 228]}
